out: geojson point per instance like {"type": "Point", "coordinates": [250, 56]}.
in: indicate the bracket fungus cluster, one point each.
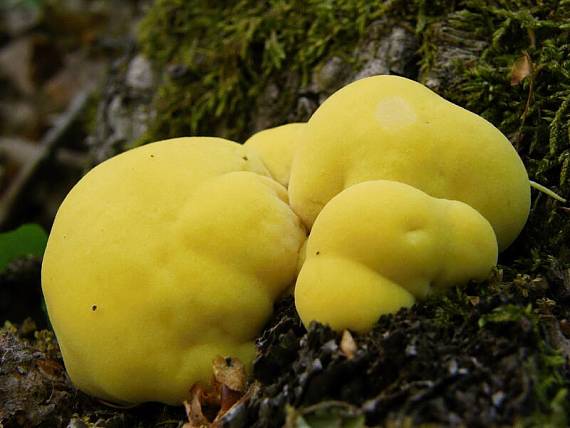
{"type": "Point", "coordinates": [170, 254]}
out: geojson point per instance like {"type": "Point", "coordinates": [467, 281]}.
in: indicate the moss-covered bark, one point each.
{"type": "Point", "coordinates": [221, 61]}
{"type": "Point", "coordinates": [510, 62]}
{"type": "Point", "coordinates": [480, 356]}
{"type": "Point", "coordinates": [229, 68]}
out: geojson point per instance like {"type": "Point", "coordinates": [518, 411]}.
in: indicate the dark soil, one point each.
{"type": "Point", "coordinates": [476, 357]}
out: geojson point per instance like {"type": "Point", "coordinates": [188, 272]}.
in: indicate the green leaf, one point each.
{"type": "Point", "coordinates": [28, 239]}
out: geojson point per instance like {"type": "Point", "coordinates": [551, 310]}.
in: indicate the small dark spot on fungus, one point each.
{"type": "Point", "coordinates": [244, 158]}
{"type": "Point", "coordinates": [151, 156]}
{"type": "Point", "coordinates": [317, 253]}
{"type": "Point", "coordinates": [94, 307]}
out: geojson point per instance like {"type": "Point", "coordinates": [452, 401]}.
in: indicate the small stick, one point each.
{"type": "Point", "coordinates": [547, 191]}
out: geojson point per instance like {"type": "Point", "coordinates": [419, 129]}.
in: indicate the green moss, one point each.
{"type": "Point", "coordinates": [496, 39]}
{"type": "Point", "coordinates": [509, 301]}
{"type": "Point", "coordinates": [222, 59]}
{"type": "Point", "coordinates": [526, 302]}
{"type": "Point", "coordinates": [225, 57]}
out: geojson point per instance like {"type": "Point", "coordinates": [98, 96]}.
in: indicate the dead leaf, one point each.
{"type": "Point", "coordinates": [230, 372]}
{"type": "Point", "coordinates": [51, 369]}
{"type": "Point", "coordinates": [522, 68]}
{"type": "Point", "coordinates": [208, 405]}
{"type": "Point", "coordinates": [196, 417]}
{"type": "Point", "coordinates": [348, 345]}
{"type": "Point", "coordinates": [229, 397]}
{"type": "Point", "coordinates": [242, 400]}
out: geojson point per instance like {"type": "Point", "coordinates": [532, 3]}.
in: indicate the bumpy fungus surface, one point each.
{"type": "Point", "coordinates": [276, 147]}
{"type": "Point", "coordinates": [162, 258]}
{"type": "Point", "coordinates": [379, 245]}
{"type": "Point", "coordinates": [389, 127]}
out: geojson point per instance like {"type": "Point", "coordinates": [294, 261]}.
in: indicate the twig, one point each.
{"type": "Point", "coordinates": [547, 191]}
{"type": "Point", "coordinates": [21, 151]}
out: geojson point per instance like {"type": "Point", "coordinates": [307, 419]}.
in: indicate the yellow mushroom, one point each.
{"type": "Point", "coordinates": [276, 147]}
{"type": "Point", "coordinates": [162, 258]}
{"type": "Point", "coordinates": [380, 245]}
{"type": "Point", "coordinates": [392, 128]}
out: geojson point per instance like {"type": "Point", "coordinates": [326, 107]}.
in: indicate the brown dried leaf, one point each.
{"type": "Point", "coordinates": [230, 372]}
{"type": "Point", "coordinates": [51, 369]}
{"type": "Point", "coordinates": [241, 400]}
{"type": "Point", "coordinates": [196, 418]}
{"type": "Point", "coordinates": [229, 397]}
{"type": "Point", "coordinates": [522, 68]}
{"type": "Point", "coordinates": [207, 405]}
{"type": "Point", "coordinates": [348, 345]}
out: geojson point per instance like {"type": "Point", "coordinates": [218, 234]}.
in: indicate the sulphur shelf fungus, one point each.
{"type": "Point", "coordinates": [161, 259]}
{"type": "Point", "coordinates": [392, 128]}
{"type": "Point", "coordinates": [277, 147]}
{"type": "Point", "coordinates": [380, 245]}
